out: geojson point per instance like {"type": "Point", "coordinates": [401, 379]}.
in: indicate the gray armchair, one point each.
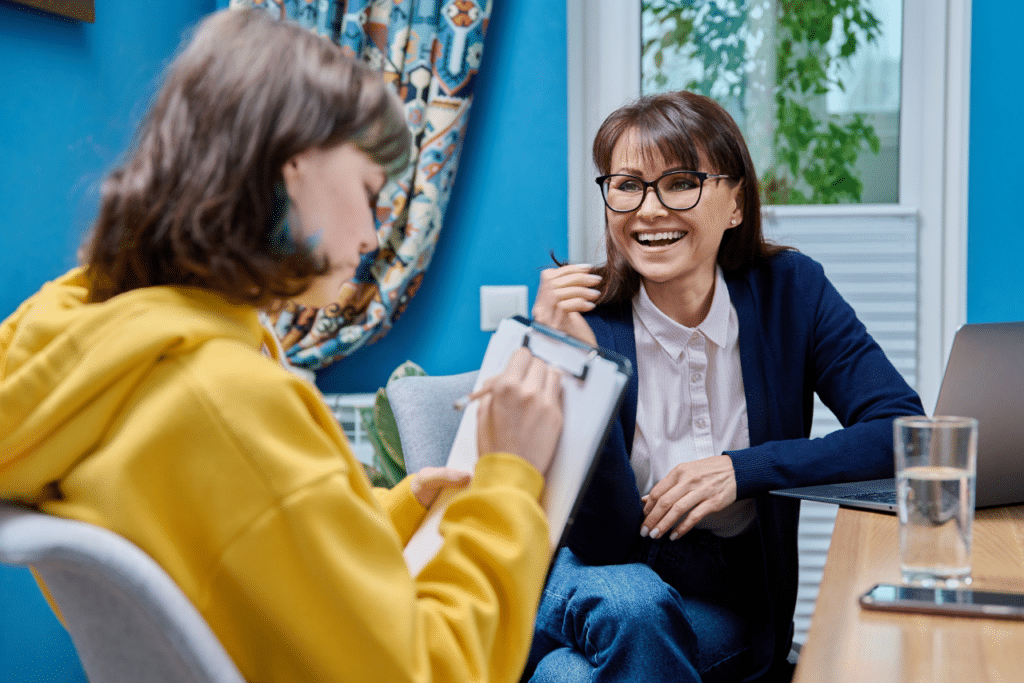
{"type": "Point", "coordinates": [128, 619]}
{"type": "Point", "coordinates": [426, 420]}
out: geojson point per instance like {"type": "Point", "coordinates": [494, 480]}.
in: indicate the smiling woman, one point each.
{"type": "Point", "coordinates": [83, 10]}
{"type": "Point", "coordinates": [679, 561]}
{"type": "Point", "coordinates": [674, 250]}
{"type": "Point", "coordinates": [632, 140]}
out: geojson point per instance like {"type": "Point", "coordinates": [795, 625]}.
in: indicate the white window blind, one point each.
{"type": "Point", "coordinates": [870, 253]}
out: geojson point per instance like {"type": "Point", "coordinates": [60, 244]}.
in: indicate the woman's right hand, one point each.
{"type": "Point", "coordinates": [520, 411]}
{"type": "Point", "coordinates": [563, 296]}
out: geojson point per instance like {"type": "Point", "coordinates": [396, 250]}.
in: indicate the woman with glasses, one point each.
{"type": "Point", "coordinates": [680, 565]}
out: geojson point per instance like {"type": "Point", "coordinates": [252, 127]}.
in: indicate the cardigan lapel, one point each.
{"type": "Point", "coordinates": [751, 358]}
{"type": "Point", "coordinates": [623, 342]}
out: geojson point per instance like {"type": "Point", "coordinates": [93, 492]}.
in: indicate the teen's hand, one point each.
{"type": "Point", "coordinates": [687, 494]}
{"type": "Point", "coordinates": [564, 294]}
{"type": "Point", "coordinates": [520, 411]}
{"type": "Point", "coordinates": [430, 481]}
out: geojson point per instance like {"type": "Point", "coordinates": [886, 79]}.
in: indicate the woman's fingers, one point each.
{"type": "Point", "coordinates": [571, 269]}
{"type": "Point", "coordinates": [514, 372]}
{"type": "Point", "coordinates": [693, 517]}
{"type": "Point", "coordinates": [555, 281]}
{"type": "Point", "coordinates": [548, 423]}
{"type": "Point", "coordinates": [666, 511]}
{"type": "Point", "coordinates": [687, 494]}
{"type": "Point", "coordinates": [534, 373]}
{"type": "Point", "coordinates": [523, 412]}
{"type": "Point", "coordinates": [575, 292]}
{"type": "Point", "coordinates": [571, 280]}
{"type": "Point", "coordinates": [428, 482]}
{"type": "Point", "coordinates": [484, 433]}
{"type": "Point", "coordinates": [518, 367]}
{"type": "Point", "coordinates": [553, 385]}
{"type": "Point", "coordinates": [564, 293]}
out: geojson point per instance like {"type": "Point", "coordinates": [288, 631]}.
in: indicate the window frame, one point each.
{"type": "Point", "coordinates": [604, 72]}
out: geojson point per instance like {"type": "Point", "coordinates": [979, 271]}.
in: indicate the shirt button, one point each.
{"type": "Point", "coordinates": [701, 423]}
{"type": "Point", "coordinates": [696, 377]}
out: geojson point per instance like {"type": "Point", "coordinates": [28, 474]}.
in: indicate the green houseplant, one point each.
{"type": "Point", "coordinates": [814, 152]}
{"type": "Point", "coordinates": [379, 425]}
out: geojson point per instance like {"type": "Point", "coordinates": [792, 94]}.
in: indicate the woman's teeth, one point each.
{"type": "Point", "coordinates": [658, 239]}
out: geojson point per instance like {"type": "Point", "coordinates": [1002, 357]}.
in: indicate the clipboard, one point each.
{"type": "Point", "coordinates": [593, 384]}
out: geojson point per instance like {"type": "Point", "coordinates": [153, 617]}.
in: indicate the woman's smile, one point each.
{"type": "Point", "coordinates": [659, 239]}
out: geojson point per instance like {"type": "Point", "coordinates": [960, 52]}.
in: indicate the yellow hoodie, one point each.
{"type": "Point", "coordinates": [156, 415]}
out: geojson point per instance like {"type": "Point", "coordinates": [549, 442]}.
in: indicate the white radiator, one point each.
{"type": "Point", "coordinates": [870, 253]}
{"type": "Point", "coordinates": [348, 409]}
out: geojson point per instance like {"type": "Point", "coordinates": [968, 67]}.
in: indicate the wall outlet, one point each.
{"type": "Point", "coordinates": [498, 302]}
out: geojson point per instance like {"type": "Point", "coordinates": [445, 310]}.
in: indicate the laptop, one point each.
{"type": "Point", "coordinates": [984, 379]}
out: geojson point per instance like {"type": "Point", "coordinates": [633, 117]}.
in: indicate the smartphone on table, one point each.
{"type": "Point", "coordinates": [960, 602]}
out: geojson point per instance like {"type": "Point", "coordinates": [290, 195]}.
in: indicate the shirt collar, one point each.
{"type": "Point", "coordinates": [673, 336]}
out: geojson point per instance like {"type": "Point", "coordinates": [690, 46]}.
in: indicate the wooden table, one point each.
{"type": "Point", "coordinates": [847, 643]}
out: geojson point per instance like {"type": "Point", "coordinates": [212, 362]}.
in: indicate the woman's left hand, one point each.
{"type": "Point", "coordinates": [429, 481]}
{"type": "Point", "coordinates": [687, 494]}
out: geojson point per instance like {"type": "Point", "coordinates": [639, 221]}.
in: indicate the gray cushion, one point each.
{"type": "Point", "coordinates": [426, 420]}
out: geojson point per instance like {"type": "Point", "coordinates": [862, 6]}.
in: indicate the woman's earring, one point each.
{"type": "Point", "coordinates": [280, 233]}
{"type": "Point", "coordinates": [733, 221]}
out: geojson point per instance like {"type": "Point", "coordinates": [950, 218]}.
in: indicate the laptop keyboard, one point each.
{"type": "Point", "coordinates": [875, 496]}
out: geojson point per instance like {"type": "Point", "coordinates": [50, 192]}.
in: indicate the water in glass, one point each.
{"type": "Point", "coordinates": [936, 509]}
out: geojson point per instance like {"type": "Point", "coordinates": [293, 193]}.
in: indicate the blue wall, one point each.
{"type": "Point", "coordinates": [995, 239]}
{"type": "Point", "coordinates": [71, 97]}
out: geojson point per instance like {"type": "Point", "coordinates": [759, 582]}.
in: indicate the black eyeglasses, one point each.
{"type": "Point", "coordinates": [677, 190]}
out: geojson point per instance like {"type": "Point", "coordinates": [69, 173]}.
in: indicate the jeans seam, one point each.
{"type": "Point", "coordinates": [722, 661]}
{"type": "Point", "coordinates": [557, 596]}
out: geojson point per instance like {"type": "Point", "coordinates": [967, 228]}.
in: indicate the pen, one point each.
{"type": "Point", "coordinates": [462, 402]}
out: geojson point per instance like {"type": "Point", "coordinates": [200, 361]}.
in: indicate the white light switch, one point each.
{"type": "Point", "coordinates": [500, 302]}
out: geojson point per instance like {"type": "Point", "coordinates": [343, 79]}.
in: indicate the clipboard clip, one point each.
{"type": "Point", "coordinates": [578, 371]}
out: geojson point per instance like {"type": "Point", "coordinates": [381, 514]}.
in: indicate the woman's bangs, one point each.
{"type": "Point", "coordinates": [661, 137]}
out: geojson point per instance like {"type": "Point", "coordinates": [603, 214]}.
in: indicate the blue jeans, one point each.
{"type": "Point", "coordinates": [627, 623]}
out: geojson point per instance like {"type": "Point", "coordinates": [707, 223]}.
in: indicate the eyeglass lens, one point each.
{"type": "Point", "coordinates": [678, 191]}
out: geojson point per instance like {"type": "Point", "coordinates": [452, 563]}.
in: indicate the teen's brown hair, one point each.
{"type": "Point", "coordinates": [199, 199]}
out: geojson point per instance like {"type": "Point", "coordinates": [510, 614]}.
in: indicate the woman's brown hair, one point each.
{"type": "Point", "coordinates": [199, 200]}
{"type": "Point", "coordinates": [693, 131]}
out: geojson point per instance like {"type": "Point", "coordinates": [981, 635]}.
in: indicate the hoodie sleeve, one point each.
{"type": "Point", "coordinates": [402, 508]}
{"type": "Point", "coordinates": [249, 496]}
{"type": "Point", "coordinates": [317, 589]}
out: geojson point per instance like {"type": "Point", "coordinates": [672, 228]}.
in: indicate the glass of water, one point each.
{"type": "Point", "coordinates": [935, 471]}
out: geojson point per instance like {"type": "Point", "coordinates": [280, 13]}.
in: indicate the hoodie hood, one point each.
{"type": "Point", "coordinates": [68, 367]}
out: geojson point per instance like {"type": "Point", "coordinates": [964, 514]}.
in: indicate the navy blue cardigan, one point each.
{"type": "Point", "coordinates": [797, 336]}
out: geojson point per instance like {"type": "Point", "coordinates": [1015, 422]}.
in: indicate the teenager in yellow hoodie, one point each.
{"type": "Point", "coordinates": [141, 393]}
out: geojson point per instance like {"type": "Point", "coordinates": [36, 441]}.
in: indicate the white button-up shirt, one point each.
{"type": "Point", "coordinates": [690, 403]}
